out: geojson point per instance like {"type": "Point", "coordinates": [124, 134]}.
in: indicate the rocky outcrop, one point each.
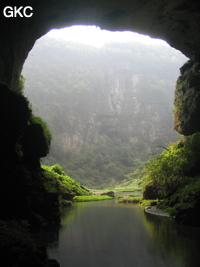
{"type": "Point", "coordinates": [187, 99]}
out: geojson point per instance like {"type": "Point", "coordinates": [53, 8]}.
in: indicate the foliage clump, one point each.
{"type": "Point", "coordinates": [55, 181]}
{"type": "Point", "coordinates": [58, 169]}
{"type": "Point", "coordinates": [185, 198]}
{"type": "Point", "coordinates": [173, 176]}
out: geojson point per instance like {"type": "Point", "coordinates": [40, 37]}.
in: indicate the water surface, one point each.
{"type": "Point", "coordinates": [107, 234]}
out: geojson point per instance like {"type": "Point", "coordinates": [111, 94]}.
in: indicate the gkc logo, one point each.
{"type": "Point", "coordinates": [21, 11]}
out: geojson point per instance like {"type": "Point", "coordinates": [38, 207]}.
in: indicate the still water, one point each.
{"type": "Point", "coordinates": [108, 234]}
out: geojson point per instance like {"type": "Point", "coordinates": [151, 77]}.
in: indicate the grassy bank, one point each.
{"type": "Point", "coordinates": [129, 199]}
{"type": "Point", "coordinates": [91, 198]}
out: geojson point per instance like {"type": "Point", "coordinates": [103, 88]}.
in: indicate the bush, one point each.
{"type": "Point", "coordinates": [168, 171]}
{"type": "Point", "coordinates": [58, 169]}
{"type": "Point", "coordinates": [174, 178]}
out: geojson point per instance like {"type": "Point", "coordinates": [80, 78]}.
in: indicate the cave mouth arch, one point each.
{"type": "Point", "coordinates": [67, 138]}
{"type": "Point", "coordinates": [177, 22]}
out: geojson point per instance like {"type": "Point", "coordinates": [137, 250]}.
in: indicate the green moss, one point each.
{"type": "Point", "coordinates": [58, 169]}
{"type": "Point", "coordinates": [60, 183]}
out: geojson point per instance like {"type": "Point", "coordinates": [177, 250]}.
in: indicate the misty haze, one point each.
{"type": "Point", "coordinates": [107, 107]}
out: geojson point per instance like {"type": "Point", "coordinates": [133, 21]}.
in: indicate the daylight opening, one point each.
{"type": "Point", "coordinates": [107, 98]}
{"type": "Point", "coordinates": [93, 35]}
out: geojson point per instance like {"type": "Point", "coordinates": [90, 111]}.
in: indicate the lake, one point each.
{"type": "Point", "coordinates": [108, 234]}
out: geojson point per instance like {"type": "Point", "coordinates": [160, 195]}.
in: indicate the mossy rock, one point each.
{"type": "Point", "coordinates": [187, 100]}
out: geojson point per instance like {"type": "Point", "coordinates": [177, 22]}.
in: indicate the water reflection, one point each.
{"type": "Point", "coordinates": [108, 234]}
{"type": "Point", "coordinates": [181, 243]}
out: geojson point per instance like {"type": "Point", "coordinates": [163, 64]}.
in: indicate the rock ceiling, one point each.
{"type": "Point", "coordinates": [176, 21]}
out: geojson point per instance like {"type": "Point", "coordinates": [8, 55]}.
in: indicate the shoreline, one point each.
{"type": "Point", "coordinates": [154, 211]}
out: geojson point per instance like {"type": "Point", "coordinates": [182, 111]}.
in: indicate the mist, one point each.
{"type": "Point", "coordinates": [108, 107]}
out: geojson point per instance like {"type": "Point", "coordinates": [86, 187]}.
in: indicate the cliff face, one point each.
{"type": "Point", "coordinates": [122, 111]}
{"type": "Point", "coordinates": [119, 90]}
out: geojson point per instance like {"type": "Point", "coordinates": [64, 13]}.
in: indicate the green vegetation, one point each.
{"type": "Point", "coordinates": [132, 183]}
{"type": "Point", "coordinates": [57, 168]}
{"type": "Point", "coordinates": [129, 199]}
{"type": "Point", "coordinates": [105, 164]}
{"type": "Point", "coordinates": [43, 124]}
{"type": "Point", "coordinates": [91, 198]}
{"type": "Point", "coordinates": [173, 176]}
{"type": "Point", "coordinates": [21, 85]}
{"type": "Point", "coordinates": [149, 202]}
{"type": "Point", "coordinates": [55, 181]}
{"type": "Point", "coordinates": [185, 198]}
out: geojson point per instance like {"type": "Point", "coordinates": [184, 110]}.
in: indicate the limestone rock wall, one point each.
{"type": "Point", "coordinates": [125, 112]}
{"type": "Point", "coordinates": [187, 99]}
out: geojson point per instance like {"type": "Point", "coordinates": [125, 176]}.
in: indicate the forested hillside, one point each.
{"type": "Point", "coordinates": [108, 108]}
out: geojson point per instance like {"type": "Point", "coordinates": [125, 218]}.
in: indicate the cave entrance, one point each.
{"type": "Point", "coordinates": [107, 98]}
